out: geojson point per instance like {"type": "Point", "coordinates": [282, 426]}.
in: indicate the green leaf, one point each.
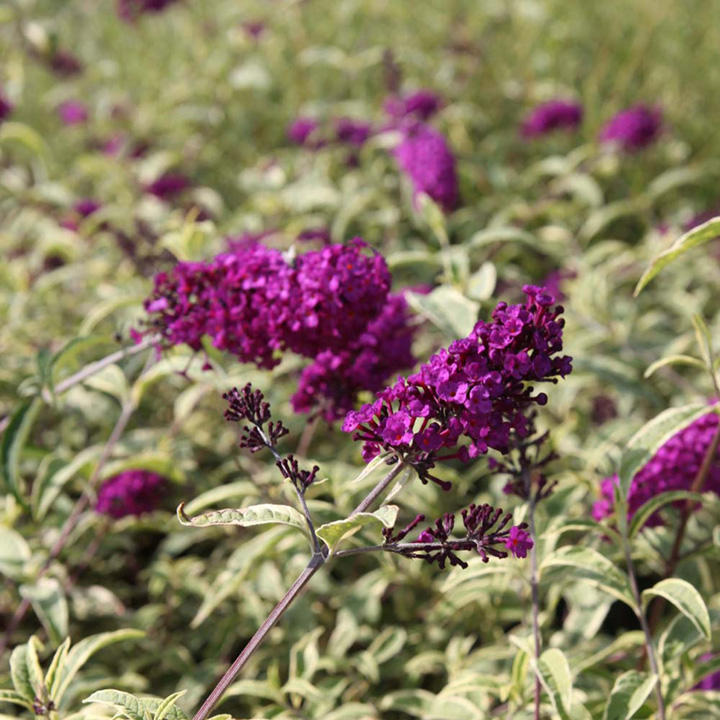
{"type": "Point", "coordinates": [673, 360]}
{"type": "Point", "coordinates": [333, 533]}
{"type": "Point", "coordinates": [48, 601]}
{"type": "Point", "coordinates": [352, 711]}
{"type": "Point", "coordinates": [629, 692]}
{"type": "Point", "coordinates": [697, 236]}
{"type": "Point", "coordinates": [166, 705]}
{"type": "Point", "coordinates": [265, 514]}
{"type": "Point", "coordinates": [13, 441]}
{"type": "Point", "coordinates": [655, 503]}
{"type": "Point", "coordinates": [129, 705]}
{"type": "Point", "coordinates": [10, 696]}
{"type": "Point", "coordinates": [58, 663]}
{"type": "Point", "coordinates": [110, 380]}
{"type": "Point", "coordinates": [24, 135]}
{"type": "Point", "coordinates": [481, 284]}
{"type": "Point", "coordinates": [554, 673]}
{"type": "Point", "coordinates": [81, 653]}
{"type": "Point", "coordinates": [25, 671]}
{"type": "Point", "coordinates": [446, 308]}
{"type": "Point", "coordinates": [650, 437]}
{"type": "Point", "coordinates": [14, 553]}
{"type": "Point", "coordinates": [702, 333]}
{"type": "Point", "coordinates": [434, 217]}
{"type": "Point", "coordinates": [685, 598]}
{"type": "Point", "coordinates": [501, 234]}
{"type": "Point", "coordinates": [588, 564]}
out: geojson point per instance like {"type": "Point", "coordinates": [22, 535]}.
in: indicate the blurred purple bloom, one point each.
{"type": "Point", "coordinates": [63, 62]}
{"type": "Point", "coordinates": [674, 467]}
{"type": "Point", "coordinates": [86, 207]}
{"type": "Point", "coordinates": [132, 492]}
{"type": "Point", "coordinates": [550, 116]}
{"type": "Point", "coordinates": [168, 185]}
{"type": "Point", "coordinates": [352, 132]}
{"type": "Point", "coordinates": [254, 28]}
{"type": "Point", "coordinates": [128, 10]}
{"type": "Point", "coordinates": [711, 681]}
{"type": "Point", "coordinates": [427, 159]}
{"type": "Point", "coordinates": [634, 128]}
{"type": "Point", "coordinates": [6, 107]}
{"type": "Point", "coordinates": [73, 112]}
{"type": "Point", "coordinates": [321, 234]}
{"type": "Point", "coordinates": [421, 105]}
{"type": "Point", "coordinates": [300, 130]}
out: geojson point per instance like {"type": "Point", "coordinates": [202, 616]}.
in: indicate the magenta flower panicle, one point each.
{"type": "Point", "coordinates": [73, 112]}
{"type": "Point", "coordinates": [673, 467]}
{"type": "Point", "coordinates": [352, 132]}
{"type": "Point", "coordinates": [301, 130]}
{"type": "Point", "coordinates": [633, 129]}
{"type": "Point", "coordinates": [419, 105]}
{"type": "Point", "coordinates": [477, 390]}
{"type": "Point", "coordinates": [131, 492]}
{"type": "Point", "coordinates": [550, 116]}
{"type": "Point", "coordinates": [168, 185]}
{"type": "Point", "coordinates": [330, 385]}
{"type": "Point", "coordinates": [426, 158]}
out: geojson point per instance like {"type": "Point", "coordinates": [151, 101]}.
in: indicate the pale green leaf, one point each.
{"type": "Point", "coordinates": [501, 234]}
{"type": "Point", "coordinates": [629, 692]}
{"type": "Point", "coordinates": [14, 553]}
{"type": "Point", "coordinates": [673, 360]}
{"type": "Point", "coordinates": [166, 705]}
{"type": "Point", "coordinates": [587, 564]}
{"type": "Point", "coordinates": [481, 284]}
{"type": "Point", "coordinates": [10, 696]}
{"type": "Point", "coordinates": [685, 598]}
{"type": "Point", "coordinates": [25, 671]}
{"type": "Point", "coordinates": [554, 673]}
{"type": "Point", "coordinates": [81, 653]}
{"type": "Point", "coordinates": [446, 308]}
{"type": "Point", "coordinates": [129, 705]}
{"type": "Point", "coordinates": [693, 238]}
{"type": "Point", "coordinates": [655, 503]}
{"type": "Point", "coordinates": [57, 663]}
{"type": "Point", "coordinates": [11, 446]}
{"type": "Point", "coordinates": [333, 533]}
{"type": "Point", "coordinates": [265, 514]}
{"type": "Point", "coordinates": [48, 601]}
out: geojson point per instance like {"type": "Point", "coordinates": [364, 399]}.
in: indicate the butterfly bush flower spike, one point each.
{"type": "Point", "coordinates": [674, 467]}
{"type": "Point", "coordinates": [633, 129]}
{"type": "Point", "coordinates": [472, 396]}
{"type": "Point", "coordinates": [550, 116]}
{"type": "Point", "coordinates": [132, 492]}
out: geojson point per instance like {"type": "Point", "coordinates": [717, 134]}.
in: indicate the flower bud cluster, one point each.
{"type": "Point", "coordinates": [673, 467]}
{"type": "Point", "coordinates": [250, 406]}
{"type": "Point", "coordinates": [486, 533]}
{"type": "Point", "coordinates": [301, 479]}
{"type": "Point", "coordinates": [477, 389]}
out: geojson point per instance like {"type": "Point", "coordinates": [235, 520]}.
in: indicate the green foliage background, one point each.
{"type": "Point", "coordinates": [373, 637]}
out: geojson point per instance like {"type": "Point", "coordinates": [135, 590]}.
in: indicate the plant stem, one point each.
{"type": "Point", "coordinates": [276, 613]}
{"type": "Point", "coordinates": [97, 366]}
{"type": "Point", "coordinates": [534, 589]}
{"type": "Point", "coordinates": [379, 489]}
{"type": "Point", "coordinates": [316, 561]}
{"type": "Point", "coordinates": [649, 649]}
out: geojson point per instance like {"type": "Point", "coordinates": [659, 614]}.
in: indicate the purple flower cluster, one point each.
{"type": "Point", "coordinates": [674, 467]}
{"type": "Point", "coordinates": [419, 105]}
{"type": "Point", "coordinates": [168, 185]}
{"type": "Point", "coordinates": [82, 209]}
{"type": "Point", "coordinates": [252, 303]}
{"type": "Point", "coordinates": [132, 492]}
{"type": "Point", "coordinates": [711, 681]}
{"type": "Point", "coordinates": [128, 10]}
{"type": "Point", "coordinates": [64, 63]}
{"type": "Point", "coordinates": [331, 383]}
{"type": "Point", "coordinates": [73, 112]}
{"type": "Point", "coordinates": [352, 132]}
{"type": "Point", "coordinates": [6, 107]}
{"type": "Point", "coordinates": [550, 116]}
{"type": "Point", "coordinates": [477, 389]}
{"type": "Point", "coordinates": [424, 155]}
{"type": "Point", "coordinates": [634, 128]}
{"type": "Point", "coordinates": [301, 129]}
